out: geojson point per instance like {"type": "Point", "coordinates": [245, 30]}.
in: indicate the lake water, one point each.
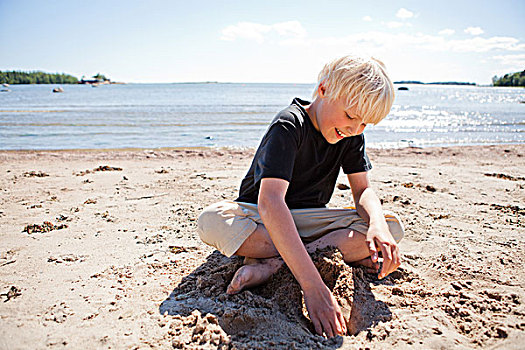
{"type": "Point", "coordinates": [216, 115]}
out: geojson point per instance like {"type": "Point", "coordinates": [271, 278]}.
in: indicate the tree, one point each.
{"type": "Point", "coordinates": [100, 77]}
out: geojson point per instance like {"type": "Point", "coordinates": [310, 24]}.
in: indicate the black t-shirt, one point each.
{"type": "Point", "coordinates": [293, 150]}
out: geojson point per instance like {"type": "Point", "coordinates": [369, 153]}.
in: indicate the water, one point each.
{"type": "Point", "coordinates": [216, 115]}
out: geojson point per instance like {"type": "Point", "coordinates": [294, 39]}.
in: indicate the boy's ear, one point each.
{"type": "Point", "coordinates": [321, 90]}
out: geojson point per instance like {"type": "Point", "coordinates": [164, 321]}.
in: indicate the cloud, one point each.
{"type": "Point", "coordinates": [378, 40]}
{"type": "Point", "coordinates": [479, 44]}
{"type": "Point", "coordinates": [511, 60]}
{"type": "Point", "coordinates": [367, 19]}
{"type": "Point", "coordinates": [292, 33]}
{"type": "Point", "coordinates": [404, 13]}
{"type": "Point", "coordinates": [474, 30]}
{"type": "Point", "coordinates": [258, 32]}
{"type": "Point", "coordinates": [291, 28]}
{"type": "Point", "coordinates": [447, 32]}
{"type": "Point", "coordinates": [245, 30]}
{"type": "Point", "coordinates": [395, 24]}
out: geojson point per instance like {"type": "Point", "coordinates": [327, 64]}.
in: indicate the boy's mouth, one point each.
{"type": "Point", "coordinates": [339, 134]}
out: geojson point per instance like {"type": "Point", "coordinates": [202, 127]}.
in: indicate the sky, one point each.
{"type": "Point", "coordinates": [262, 41]}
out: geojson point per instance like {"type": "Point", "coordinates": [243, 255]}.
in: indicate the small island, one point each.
{"type": "Point", "coordinates": [99, 79]}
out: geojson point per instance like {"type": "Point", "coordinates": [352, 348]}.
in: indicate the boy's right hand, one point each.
{"type": "Point", "coordinates": [324, 311]}
{"type": "Point", "coordinates": [322, 307]}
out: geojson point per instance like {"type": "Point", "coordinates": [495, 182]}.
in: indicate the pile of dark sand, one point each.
{"type": "Point", "coordinates": [269, 316]}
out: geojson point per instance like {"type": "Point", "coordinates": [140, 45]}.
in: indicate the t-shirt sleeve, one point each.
{"type": "Point", "coordinates": [355, 159]}
{"type": "Point", "coordinates": [277, 152]}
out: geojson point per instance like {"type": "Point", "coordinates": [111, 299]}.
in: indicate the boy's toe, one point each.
{"type": "Point", "coordinates": [236, 283]}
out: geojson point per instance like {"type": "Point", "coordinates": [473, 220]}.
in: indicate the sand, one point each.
{"type": "Point", "coordinates": [99, 249]}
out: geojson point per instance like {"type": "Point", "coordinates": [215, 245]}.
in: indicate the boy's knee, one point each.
{"type": "Point", "coordinates": [207, 221]}
{"type": "Point", "coordinates": [218, 222]}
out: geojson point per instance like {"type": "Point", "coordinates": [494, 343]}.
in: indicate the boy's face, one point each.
{"type": "Point", "coordinates": [335, 121]}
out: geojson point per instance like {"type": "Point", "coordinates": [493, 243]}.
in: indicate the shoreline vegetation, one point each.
{"type": "Point", "coordinates": [510, 79]}
{"type": "Point", "coordinates": [36, 77]}
{"type": "Point", "coordinates": [39, 77]}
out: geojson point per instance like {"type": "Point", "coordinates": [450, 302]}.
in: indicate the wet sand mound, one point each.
{"type": "Point", "coordinates": [272, 315]}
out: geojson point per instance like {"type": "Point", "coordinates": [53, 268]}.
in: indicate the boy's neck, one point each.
{"type": "Point", "coordinates": [311, 110]}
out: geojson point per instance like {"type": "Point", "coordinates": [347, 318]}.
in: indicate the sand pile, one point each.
{"type": "Point", "coordinates": [272, 315]}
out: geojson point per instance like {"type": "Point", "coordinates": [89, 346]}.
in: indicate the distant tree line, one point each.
{"type": "Point", "coordinates": [37, 77]}
{"type": "Point", "coordinates": [511, 79]}
{"type": "Point", "coordinates": [434, 83]}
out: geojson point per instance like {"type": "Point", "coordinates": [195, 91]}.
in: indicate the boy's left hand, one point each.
{"type": "Point", "coordinates": [380, 237]}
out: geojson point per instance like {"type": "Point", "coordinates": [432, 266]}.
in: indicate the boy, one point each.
{"type": "Point", "coordinates": [280, 215]}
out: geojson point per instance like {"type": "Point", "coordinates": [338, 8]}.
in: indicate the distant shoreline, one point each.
{"type": "Point", "coordinates": [415, 82]}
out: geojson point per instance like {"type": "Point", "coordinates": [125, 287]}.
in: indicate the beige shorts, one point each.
{"type": "Point", "coordinates": [227, 224]}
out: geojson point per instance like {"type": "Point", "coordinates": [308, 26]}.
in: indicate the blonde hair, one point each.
{"type": "Point", "coordinates": [363, 82]}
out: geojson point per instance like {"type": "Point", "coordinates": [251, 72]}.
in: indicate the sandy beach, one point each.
{"type": "Point", "coordinates": [98, 249]}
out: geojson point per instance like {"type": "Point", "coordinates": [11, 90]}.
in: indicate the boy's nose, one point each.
{"type": "Point", "coordinates": [350, 131]}
{"type": "Point", "coordinates": [354, 130]}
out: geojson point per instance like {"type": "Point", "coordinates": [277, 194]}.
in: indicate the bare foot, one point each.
{"type": "Point", "coordinates": [253, 274]}
{"type": "Point", "coordinates": [368, 264]}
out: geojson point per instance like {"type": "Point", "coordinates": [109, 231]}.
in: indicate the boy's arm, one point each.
{"type": "Point", "coordinates": [322, 306]}
{"type": "Point", "coordinates": [378, 236]}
